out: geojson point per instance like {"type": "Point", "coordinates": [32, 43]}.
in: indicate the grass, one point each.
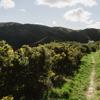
{"type": "Point", "coordinates": [97, 77]}
{"type": "Point", "coordinates": [75, 89]}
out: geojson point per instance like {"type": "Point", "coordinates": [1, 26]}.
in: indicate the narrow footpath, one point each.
{"type": "Point", "coordinates": [91, 89]}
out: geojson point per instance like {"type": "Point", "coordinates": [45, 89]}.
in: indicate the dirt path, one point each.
{"type": "Point", "coordinates": [91, 89]}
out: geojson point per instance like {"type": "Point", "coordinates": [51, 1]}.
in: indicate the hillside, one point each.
{"type": "Point", "coordinates": [17, 34]}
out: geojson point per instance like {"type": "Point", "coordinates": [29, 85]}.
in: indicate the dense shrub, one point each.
{"type": "Point", "coordinates": [32, 72]}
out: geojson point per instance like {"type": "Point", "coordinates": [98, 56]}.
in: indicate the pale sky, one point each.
{"type": "Point", "coordinates": [75, 14]}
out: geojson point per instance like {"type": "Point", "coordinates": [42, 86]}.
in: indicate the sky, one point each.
{"type": "Point", "coordinates": [74, 14]}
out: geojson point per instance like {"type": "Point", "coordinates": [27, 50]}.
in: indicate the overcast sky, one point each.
{"type": "Point", "coordinates": [76, 14]}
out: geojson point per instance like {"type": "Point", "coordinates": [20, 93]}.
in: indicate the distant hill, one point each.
{"type": "Point", "coordinates": [17, 34]}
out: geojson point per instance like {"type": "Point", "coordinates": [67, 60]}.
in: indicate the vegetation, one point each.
{"type": "Point", "coordinates": [97, 76]}
{"type": "Point", "coordinates": [81, 80]}
{"type": "Point", "coordinates": [51, 70]}
{"type": "Point", "coordinates": [75, 88]}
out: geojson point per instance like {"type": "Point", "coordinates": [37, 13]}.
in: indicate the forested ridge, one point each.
{"type": "Point", "coordinates": [53, 71]}
{"type": "Point", "coordinates": [17, 34]}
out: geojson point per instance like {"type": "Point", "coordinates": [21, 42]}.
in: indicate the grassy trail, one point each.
{"type": "Point", "coordinates": [86, 83]}
{"type": "Point", "coordinates": [90, 94]}
{"type": "Point", "coordinates": [97, 76]}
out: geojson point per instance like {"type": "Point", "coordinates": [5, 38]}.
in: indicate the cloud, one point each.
{"type": "Point", "coordinates": [38, 23]}
{"type": "Point", "coordinates": [78, 15]}
{"type": "Point", "coordinates": [22, 10]}
{"type": "Point", "coordinates": [6, 4]}
{"type": "Point", "coordinates": [64, 3]}
{"type": "Point", "coordinates": [82, 16]}
{"type": "Point", "coordinates": [94, 25]}
{"type": "Point", "coordinates": [54, 23]}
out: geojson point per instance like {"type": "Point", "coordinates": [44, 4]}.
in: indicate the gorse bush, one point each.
{"type": "Point", "coordinates": [8, 98]}
{"type": "Point", "coordinates": [34, 72]}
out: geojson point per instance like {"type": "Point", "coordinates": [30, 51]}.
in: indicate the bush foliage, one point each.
{"type": "Point", "coordinates": [30, 73]}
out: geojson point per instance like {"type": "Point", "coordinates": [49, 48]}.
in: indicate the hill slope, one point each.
{"type": "Point", "coordinates": [17, 34]}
